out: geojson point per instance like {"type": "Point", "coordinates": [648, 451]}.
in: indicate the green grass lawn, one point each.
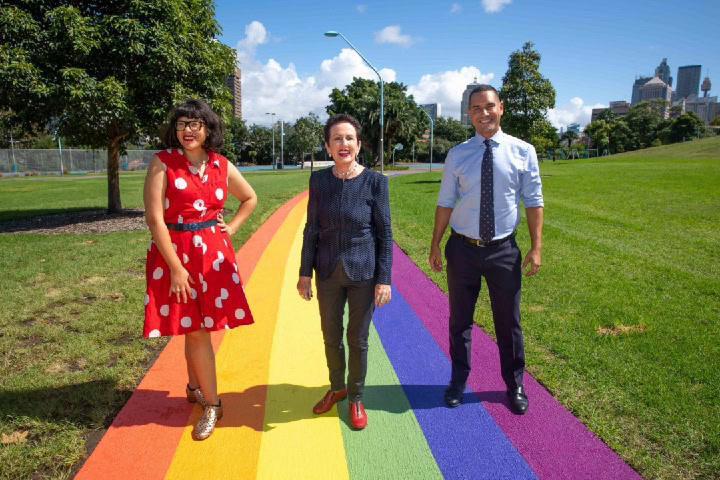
{"type": "Point", "coordinates": [621, 323]}
{"type": "Point", "coordinates": [71, 352]}
{"type": "Point", "coordinates": [623, 320]}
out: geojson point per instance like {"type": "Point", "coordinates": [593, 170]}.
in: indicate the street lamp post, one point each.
{"type": "Point", "coordinates": [333, 33]}
{"type": "Point", "coordinates": [273, 127]}
{"type": "Point", "coordinates": [431, 135]}
{"type": "Point", "coordinates": [282, 144]}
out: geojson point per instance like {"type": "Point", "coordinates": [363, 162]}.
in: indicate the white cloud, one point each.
{"type": "Point", "coordinates": [494, 6]}
{"type": "Point", "coordinates": [455, 8]}
{"type": "Point", "coordinates": [391, 34]}
{"type": "Point", "coordinates": [574, 112]}
{"type": "Point", "coordinates": [272, 87]}
{"type": "Point", "coordinates": [447, 88]}
{"type": "Point", "coordinates": [361, 8]}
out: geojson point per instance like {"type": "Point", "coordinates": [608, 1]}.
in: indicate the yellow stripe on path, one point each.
{"type": "Point", "coordinates": [297, 443]}
{"type": "Point", "coordinates": [243, 361]}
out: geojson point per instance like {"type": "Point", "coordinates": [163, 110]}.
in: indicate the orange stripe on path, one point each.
{"type": "Point", "coordinates": [144, 436]}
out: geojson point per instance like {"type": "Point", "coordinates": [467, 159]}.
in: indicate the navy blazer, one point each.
{"type": "Point", "coordinates": [348, 221]}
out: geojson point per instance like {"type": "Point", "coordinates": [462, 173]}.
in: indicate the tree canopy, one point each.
{"type": "Point", "coordinates": [307, 135]}
{"type": "Point", "coordinates": [525, 93]}
{"type": "Point", "coordinates": [109, 72]}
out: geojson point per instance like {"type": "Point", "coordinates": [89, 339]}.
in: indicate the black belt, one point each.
{"type": "Point", "coordinates": [480, 243]}
{"type": "Point", "coordinates": [191, 227]}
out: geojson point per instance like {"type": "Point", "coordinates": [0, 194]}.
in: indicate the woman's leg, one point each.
{"type": "Point", "coordinates": [360, 310]}
{"type": "Point", "coordinates": [331, 300]}
{"type": "Point", "coordinates": [201, 361]}
{"type": "Point", "coordinates": [192, 378]}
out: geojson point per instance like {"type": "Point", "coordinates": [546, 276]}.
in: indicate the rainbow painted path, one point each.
{"type": "Point", "coordinates": [271, 373]}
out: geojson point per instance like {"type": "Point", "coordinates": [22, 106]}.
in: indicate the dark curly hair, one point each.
{"type": "Point", "coordinates": [196, 108]}
{"type": "Point", "coordinates": [342, 118]}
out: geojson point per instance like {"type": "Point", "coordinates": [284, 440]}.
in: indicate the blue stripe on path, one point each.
{"type": "Point", "coordinates": [465, 441]}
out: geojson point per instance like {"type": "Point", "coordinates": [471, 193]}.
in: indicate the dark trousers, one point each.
{"type": "Point", "coordinates": [467, 264]}
{"type": "Point", "coordinates": [332, 294]}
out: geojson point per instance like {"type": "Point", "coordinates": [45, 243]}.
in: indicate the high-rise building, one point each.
{"type": "Point", "coordinates": [656, 88]}
{"type": "Point", "coordinates": [465, 103]}
{"type": "Point", "coordinates": [234, 84]}
{"type": "Point", "coordinates": [706, 86]}
{"type": "Point", "coordinates": [637, 85]}
{"type": "Point", "coordinates": [619, 108]}
{"type": "Point", "coordinates": [688, 81]}
{"type": "Point", "coordinates": [704, 107]}
{"type": "Point", "coordinates": [574, 127]}
{"type": "Point", "coordinates": [432, 109]}
{"type": "Point", "coordinates": [663, 72]}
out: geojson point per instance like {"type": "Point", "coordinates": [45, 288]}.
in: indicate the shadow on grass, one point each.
{"type": "Point", "coordinates": [26, 220]}
{"type": "Point", "coordinates": [425, 181]}
{"type": "Point", "coordinates": [79, 404]}
{"type": "Point", "coordinates": [6, 215]}
{"type": "Point", "coordinates": [263, 407]}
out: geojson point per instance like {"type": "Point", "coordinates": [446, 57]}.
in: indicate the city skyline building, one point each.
{"type": "Point", "coordinates": [464, 118]}
{"type": "Point", "coordinates": [432, 109]}
{"type": "Point", "coordinates": [234, 83]}
{"type": "Point", "coordinates": [656, 88]}
{"type": "Point", "coordinates": [619, 108]}
{"type": "Point", "coordinates": [688, 81]}
{"type": "Point", "coordinates": [704, 107]}
{"type": "Point", "coordinates": [706, 86]}
{"type": "Point", "coordinates": [663, 72]}
{"type": "Point", "coordinates": [637, 85]}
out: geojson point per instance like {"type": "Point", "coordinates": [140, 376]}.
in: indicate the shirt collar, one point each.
{"type": "Point", "coordinates": [496, 139]}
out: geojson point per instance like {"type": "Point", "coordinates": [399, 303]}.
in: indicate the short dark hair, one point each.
{"type": "Point", "coordinates": [196, 108]}
{"type": "Point", "coordinates": [342, 118]}
{"type": "Point", "coordinates": [482, 88]}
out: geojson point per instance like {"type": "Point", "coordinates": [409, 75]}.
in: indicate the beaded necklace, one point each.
{"type": "Point", "coordinates": [345, 174]}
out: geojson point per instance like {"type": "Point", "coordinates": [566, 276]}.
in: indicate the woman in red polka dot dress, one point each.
{"type": "Point", "coordinates": [193, 283]}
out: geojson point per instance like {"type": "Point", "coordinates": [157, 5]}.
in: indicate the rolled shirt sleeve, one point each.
{"type": "Point", "coordinates": [449, 193]}
{"type": "Point", "coordinates": [530, 184]}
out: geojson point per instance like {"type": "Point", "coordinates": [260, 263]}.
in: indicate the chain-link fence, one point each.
{"type": "Point", "coordinates": [37, 162]}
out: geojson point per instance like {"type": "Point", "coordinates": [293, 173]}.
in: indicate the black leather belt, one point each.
{"type": "Point", "coordinates": [480, 243]}
{"type": "Point", "coordinates": [191, 227]}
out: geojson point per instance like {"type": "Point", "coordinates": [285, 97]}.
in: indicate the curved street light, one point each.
{"type": "Point", "coordinates": [333, 33]}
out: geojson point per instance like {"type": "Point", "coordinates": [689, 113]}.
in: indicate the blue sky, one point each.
{"type": "Point", "coordinates": [591, 51]}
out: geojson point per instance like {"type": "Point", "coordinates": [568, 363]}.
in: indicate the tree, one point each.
{"type": "Point", "coordinates": [569, 136]}
{"type": "Point", "coordinates": [525, 93]}
{"type": "Point", "coordinates": [686, 125]}
{"type": "Point", "coordinates": [643, 120]}
{"type": "Point", "coordinates": [599, 133]}
{"type": "Point", "coordinates": [452, 130]}
{"type": "Point", "coordinates": [236, 138]}
{"type": "Point", "coordinates": [260, 142]}
{"type": "Point", "coordinates": [109, 72]}
{"type": "Point", "coordinates": [307, 135]}
{"type": "Point", "coordinates": [402, 117]}
{"type": "Point", "coordinates": [715, 121]}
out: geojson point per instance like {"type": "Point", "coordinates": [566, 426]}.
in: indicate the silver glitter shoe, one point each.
{"type": "Point", "coordinates": [206, 424]}
{"type": "Point", "coordinates": [195, 395]}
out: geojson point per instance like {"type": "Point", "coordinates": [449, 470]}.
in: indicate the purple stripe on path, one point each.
{"type": "Point", "coordinates": [465, 441]}
{"type": "Point", "coordinates": [555, 444]}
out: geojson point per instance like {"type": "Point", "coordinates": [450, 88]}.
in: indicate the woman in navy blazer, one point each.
{"type": "Point", "coordinates": [348, 241]}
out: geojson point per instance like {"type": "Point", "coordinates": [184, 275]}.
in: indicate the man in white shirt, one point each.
{"type": "Point", "coordinates": [484, 179]}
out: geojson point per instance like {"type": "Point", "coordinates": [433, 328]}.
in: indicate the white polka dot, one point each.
{"type": "Point", "coordinates": [158, 273]}
{"type": "Point", "coordinates": [186, 322]}
{"type": "Point", "coordinates": [227, 327]}
{"type": "Point", "coordinates": [219, 193]}
{"type": "Point", "coordinates": [169, 150]}
{"type": "Point", "coordinates": [239, 313]}
{"type": "Point", "coordinates": [197, 240]}
{"type": "Point", "coordinates": [236, 278]}
{"type": "Point", "coordinates": [204, 247]}
{"type": "Point", "coordinates": [150, 244]}
{"type": "Point", "coordinates": [180, 183]}
{"type": "Point", "coordinates": [147, 299]}
{"type": "Point", "coordinates": [167, 203]}
{"type": "Point", "coordinates": [223, 293]}
{"type": "Point", "coordinates": [193, 293]}
{"type": "Point", "coordinates": [225, 243]}
{"type": "Point", "coordinates": [199, 205]}
{"type": "Point", "coordinates": [185, 258]}
{"type": "Point", "coordinates": [235, 266]}
{"type": "Point", "coordinates": [174, 247]}
{"type": "Point", "coordinates": [209, 322]}
{"type": "Point", "coordinates": [154, 333]}
{"type": "Point", "coordinates": [204, 179]}
{"type": "Point", "coordinates": [212, 229]}
{"type": "Point", "coordinates": [218, 302]}
{"type": "Point", "coordinates": [164, 310]}
{"type": "Point", "coordinates": [216, 163]}
{"type": "Point", "coordinates": [180, 219]}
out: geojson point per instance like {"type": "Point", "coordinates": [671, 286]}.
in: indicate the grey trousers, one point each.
{"type": "Point", "coordinates": [332, 294]}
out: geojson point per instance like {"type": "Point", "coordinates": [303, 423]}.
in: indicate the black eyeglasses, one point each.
{"type": "Point", "coordinates": [194, 125]}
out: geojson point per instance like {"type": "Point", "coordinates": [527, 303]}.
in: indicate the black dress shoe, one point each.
{"type": "Point", "coordinates": [453, 396]}
{"type": "Point", "coordinates": [518, 400]}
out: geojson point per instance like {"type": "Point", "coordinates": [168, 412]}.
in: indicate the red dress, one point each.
{"type": "Point", "coordinates": [217, 299]}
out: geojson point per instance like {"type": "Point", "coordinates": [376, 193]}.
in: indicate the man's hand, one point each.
{"type": "Point", "coordinates": [435, 259]}
{"type": "Point", "coordinates": [533, 259]}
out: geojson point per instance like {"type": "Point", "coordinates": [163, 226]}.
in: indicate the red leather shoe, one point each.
{"type": "Point", "coordinates": [358, 419]}
{"type": "Point", "coordinates": [330, 399]}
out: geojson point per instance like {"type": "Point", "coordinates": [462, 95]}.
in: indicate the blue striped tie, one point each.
{"type": "Point", "coordinates": [487, 207]}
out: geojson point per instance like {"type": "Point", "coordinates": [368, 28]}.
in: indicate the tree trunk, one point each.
{"type": "Point", "coordinates": [113, 173]}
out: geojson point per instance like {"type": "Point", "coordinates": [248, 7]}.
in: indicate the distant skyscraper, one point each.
{"type": "Point", "coordinates": [704, 107]}
{"type": "Point", "coordinates": [656, 88]}
{"type": "Point", "coordinates": [688, 81]}
{"type": "Point", "coordinates": [639, 82]}
{"type": "Point", "coordinates": [432, 109]}
{"type": "Point", "coordinates": [465, 103]}
{"type": "Point", "coordinates": [235, 86]}
{"type": "Point", "coordinates": [663, 72]}
{"type": "Point", "coordinates": [706, 86]}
